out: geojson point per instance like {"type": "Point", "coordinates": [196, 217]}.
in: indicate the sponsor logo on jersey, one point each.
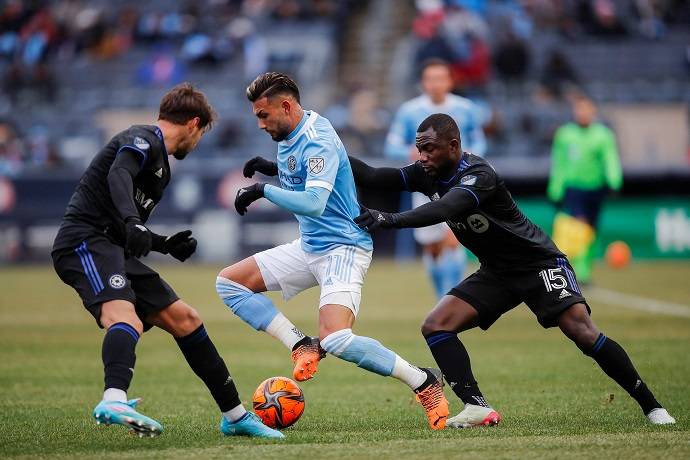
{"type": "Point", "coordinates": [117, 281]}
{"type": "Point", "coordinates": [468, 180]}
{"type": "Point", "coordinates": [478, 223]}
{"type": "Point", "coordinates": [141, 143]}
{"type": "Point", "coordinates": [456, 225]}
{"type": "Point", "coordinates": [564, 294]}
{"type": "Point", "coordinates": [159, 173]}
{"type": "Point", "coordinates": [146, 203]}
{"type": "Point", "coordinates": [435, 197]}
{"type": "Point", "coordinates": [292, 163]}
{"type": "Point", "coordinates": [316, 165]}
{"type": "Point", "coordinates": [294, 180]}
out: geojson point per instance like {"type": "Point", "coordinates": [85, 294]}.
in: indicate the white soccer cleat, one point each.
{"type": "Point", "coordinates": [473, 415]}
{"type": "Point", "coordinates": [660, 416]}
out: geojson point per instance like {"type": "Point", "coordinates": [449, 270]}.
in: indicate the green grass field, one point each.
{"type": "Point", "coordinates": [555, 402]}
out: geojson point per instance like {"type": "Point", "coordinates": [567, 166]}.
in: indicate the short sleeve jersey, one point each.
{"type": "Point", "coordinates": [494, 229]}
{"type": "Point", "coordinates": [91, 204]}
{"type": "Point", "coordinates": [468, 115]}
{"type": "Point", "coordinates": [314, 156]}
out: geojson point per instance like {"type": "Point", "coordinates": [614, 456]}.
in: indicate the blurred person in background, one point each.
{"type": "Point", "coordinates": [585, 166]}
{"type": "Point", "coordinates": [444, 258]}
{"type": "Point", "coordinates": [11, 149]}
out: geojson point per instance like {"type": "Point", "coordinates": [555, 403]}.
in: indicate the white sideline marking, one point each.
{"type": "Point", "coordinates": [635, 302]}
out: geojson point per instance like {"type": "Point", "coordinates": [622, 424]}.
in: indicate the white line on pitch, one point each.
{"type": "Point", "coordinates": [635, 302]}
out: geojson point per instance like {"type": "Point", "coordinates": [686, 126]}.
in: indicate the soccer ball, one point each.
{"type": "Point", "coordinates": [618, 254]}
{"type": "Point", "coordinates": [279, 402]}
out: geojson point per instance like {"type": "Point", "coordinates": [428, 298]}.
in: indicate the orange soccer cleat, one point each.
{"type": "Point", "coordinates": [434, 401]}
{"type": "Point", "coordinates": [306, 358]}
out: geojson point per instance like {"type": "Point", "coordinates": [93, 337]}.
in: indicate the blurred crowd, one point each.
{"type": "Point", "coordinates": [38, 37]}
{"type": "Point", "coordinates": [486, 43]}
{"type": "Point", "coordinates": [34, 31]}
{"type": "Point", "coordinates": [458, 32]}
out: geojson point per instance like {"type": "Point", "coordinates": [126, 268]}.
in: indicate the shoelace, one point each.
{"type": "Point", "coordinates": [303, 349]}
{"type": "Point", "coordinates": [431, 397]}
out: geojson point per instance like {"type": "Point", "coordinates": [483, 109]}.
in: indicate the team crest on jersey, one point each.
{"type": "Point", "coordinates": [141, 143]}
{"type": "Point", "coordinates": [292, 163]}
{"type": "Point", "coordinates": [478, 223]}
{"type": "Point", "coordinates": [468, 180]}
{"type": "Point", "coordinates": [316, 165]}
{"type": "Point", "coordinates": [117, 281]}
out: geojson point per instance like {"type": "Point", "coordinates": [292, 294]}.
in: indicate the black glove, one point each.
{"type": "Point", "coordinates": [248, 195]}
{"type": "Point", "coordinates": [138, 242]}
{"type": "Point", "coordinates": [181, 245]}
{"type": "Point", "coordinates": [265, 167]}
{"type": "Point", "coordinates": [371, 219]}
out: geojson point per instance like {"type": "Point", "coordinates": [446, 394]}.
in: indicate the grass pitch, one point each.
{"type": "Point", "coordinates": [555, 401]}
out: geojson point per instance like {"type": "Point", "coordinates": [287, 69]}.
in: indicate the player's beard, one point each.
{"type": "Point", "coordinates": [281, 133]}
{"type": "Point", "coordinates": [180, 154]}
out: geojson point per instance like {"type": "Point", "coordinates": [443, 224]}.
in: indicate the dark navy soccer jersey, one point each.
{"type": "Point", "coordinates": [91, 204]}
{"type": "Point", "coordinates": [488, 221]}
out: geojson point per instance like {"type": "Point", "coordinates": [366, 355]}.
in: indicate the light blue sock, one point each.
{"type": "Point", "coordinates": [451, 263]}
{"type": "Point", "coordinates": [365, 352]}
{"type": "Point", "coordinates": [435, 273]}
{"type": "Point", "coordinates": [257, 310]}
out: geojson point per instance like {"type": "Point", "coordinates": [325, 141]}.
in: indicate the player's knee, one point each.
{"type": "Point", "coordinates": [577, 325]}
{"type": "Point", "coordinates": [190, 320]}
{"type": "Point", "coordinates": [432, 324]}
{"type": "Point", "coordinates": [120, 312]}
{"type": "Point", "coordinates": [245, 273]}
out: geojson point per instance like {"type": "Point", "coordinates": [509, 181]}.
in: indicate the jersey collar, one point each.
{"type": "Point", "coordinates": [442, 107]}
{"type": "Point", "coordinates": [462, 165]}
{"type": "Point", "coordinates": [305, 123]}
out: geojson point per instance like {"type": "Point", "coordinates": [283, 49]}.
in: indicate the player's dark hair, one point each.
{"type": "Point", "coordinates": [271, 83]}
{"type": "Point", "coordinates": [433, 62]}
{"type": "Point", "coordinates": [184, 102]}
{"type": "Point", "coordinates": [443, 124]}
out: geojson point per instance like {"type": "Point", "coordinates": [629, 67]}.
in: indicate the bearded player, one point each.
{"type": "Point", "coordinates": [97, 250]}
{"type": "Point", "coordinates": [316, 185]}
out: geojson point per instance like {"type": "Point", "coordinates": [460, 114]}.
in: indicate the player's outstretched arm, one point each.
{"type": "Point", "coordinates": [262, 165]}
{"type": "Point", "coordinates": [311, 202]}
{"type": "Point", "coordinates": [456, 201]}
{"type": "Point", "coordinates": [376, 178]}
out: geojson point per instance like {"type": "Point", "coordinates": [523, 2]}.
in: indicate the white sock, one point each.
{"type": "Point", "coordinates": [413, 376]}
{"type": "Point", "coordinates": [282, 329]}
{"type": "Point", "coordinates": [114, 394]}
{"type": "Point", "coordinates": [235, 413]}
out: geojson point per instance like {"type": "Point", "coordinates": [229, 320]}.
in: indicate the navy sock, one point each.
{"type": "Point", "coordinates": [203, 358]}
{"type": "Point", "coordinates": [614, 361]}
{"type": "Point", "coordinates": [452, 358]}
{"type": "Point", "coordinates": [118, 355]}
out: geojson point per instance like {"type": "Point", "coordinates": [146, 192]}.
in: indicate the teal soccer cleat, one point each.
{"type": "Point", "coordinates": [249, 425]}
{"type": "Point", "coordinates": [119, 413]}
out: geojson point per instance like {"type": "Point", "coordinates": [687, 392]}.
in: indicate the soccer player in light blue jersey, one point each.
{"type": "Point", "coordinates": [444, 258]}
{"type": "Point", "coordinates": [317, 185]}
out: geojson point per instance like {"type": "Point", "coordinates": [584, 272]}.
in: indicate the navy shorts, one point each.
{"type": "Point", "coordinates": [548, 289]}
{"type": "Point", "coordinates": [99, 271]}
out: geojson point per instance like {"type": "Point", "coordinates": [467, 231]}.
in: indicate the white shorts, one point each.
{"type": "Point", "coordinates": [340, 272]}
{"type": "Point", "coordinates": [433, 233]}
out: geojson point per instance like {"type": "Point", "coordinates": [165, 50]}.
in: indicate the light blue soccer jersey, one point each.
{"type": "Point", "coordinates": [314, 156]}
{"type": "Point", "coordinates": [468, 115]}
